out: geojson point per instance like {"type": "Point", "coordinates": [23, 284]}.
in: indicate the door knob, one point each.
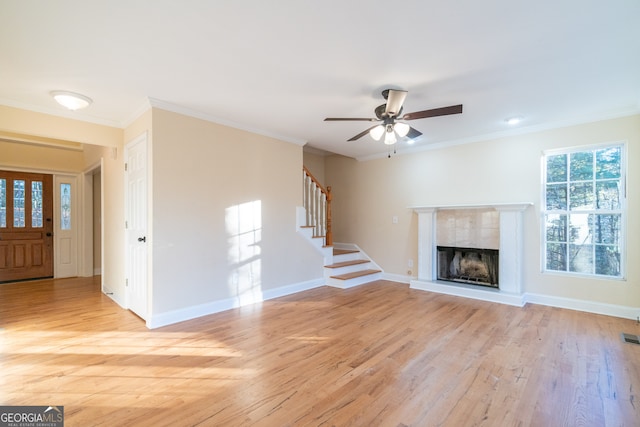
{"type": "Point", "coordinates": [49, 234]}
{"type": "Point", "coordinates": [142, 239]}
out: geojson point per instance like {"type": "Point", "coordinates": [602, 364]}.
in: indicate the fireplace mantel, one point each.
{"type": "Point", "coordinates": [521, 206]}
{"type": "Point", "coordinates": [511, 254]}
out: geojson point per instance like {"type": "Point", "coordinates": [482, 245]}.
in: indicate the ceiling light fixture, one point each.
{"type": "Point", "coordinates": [390, 130]}
{"type": "Point", "coordinates": [376, 132]}
{"type": "Point", "coordinates": [72, 101]}
{"type": "Point", "coordinates": [512, 121]}
{"type": "Point", "coordinates": [390, 135]}
{"type": "Point", "coordinates": [402, 129]}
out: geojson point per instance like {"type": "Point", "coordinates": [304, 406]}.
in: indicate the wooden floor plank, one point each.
{"type": "Point", "coordinates": [378, 354]}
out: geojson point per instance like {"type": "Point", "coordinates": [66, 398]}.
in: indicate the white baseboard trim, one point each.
{"type": "Point", "coordinates": [397, 278]}
{"type": "Point", "coordinates": [97, 271]}
{"type": "Point", "coordinates": [494, 295]}
{"type": "Point", "coordinates": [192, 312]}
{"type": "Point", "coordinates": [114, 297]}
{"type": "Point", "coordinates": [625, 312]}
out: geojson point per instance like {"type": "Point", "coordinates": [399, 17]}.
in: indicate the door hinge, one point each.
{"type": "Point", "coordinates": [125, 166]}
{"type": "Point", "coordinates": [126, 225]}
{"type": "Point", "coordinates": [126, 282]}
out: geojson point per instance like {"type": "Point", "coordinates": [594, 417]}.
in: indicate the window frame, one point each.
{"type": "Point", "coordinates": [623, 209]}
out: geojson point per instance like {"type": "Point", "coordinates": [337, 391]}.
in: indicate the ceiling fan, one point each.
{"type": "Point", "coordinates": [389, 114]}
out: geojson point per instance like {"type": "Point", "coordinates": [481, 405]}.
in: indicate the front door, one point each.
{"type": "Point", "coordinates": [26, 226]}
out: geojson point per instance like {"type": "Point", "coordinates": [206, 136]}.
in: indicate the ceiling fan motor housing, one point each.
{"type": "Point", "coordinates": [381, 112]}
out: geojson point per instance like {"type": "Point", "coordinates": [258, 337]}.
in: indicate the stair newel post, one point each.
{"type": "Point", "coordinates": [329, 233]}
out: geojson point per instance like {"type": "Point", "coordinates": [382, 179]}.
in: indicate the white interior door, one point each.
{"type": "Point", "coordinates": [136, 224]}
{"type": "Point", "coordinates": [66, 226]}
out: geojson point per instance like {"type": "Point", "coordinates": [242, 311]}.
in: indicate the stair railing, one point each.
{"type": "Point", "coordinates": [317, 202]}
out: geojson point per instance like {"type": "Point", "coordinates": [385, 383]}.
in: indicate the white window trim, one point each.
{"type": "Point", "coordinates": [623, 208]}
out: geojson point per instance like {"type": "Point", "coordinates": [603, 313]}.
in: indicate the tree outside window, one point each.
{"type": "Point", "coordinates": [583, 211]}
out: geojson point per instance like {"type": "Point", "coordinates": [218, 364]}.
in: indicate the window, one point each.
{"type": "Point", "coordinates": [65, 206]}
{"type": "Point", "coordinates": [3, 203]}
{"type": "Point", "coordinates": [583, 211]}
{"type": "Point", "coordinates": [36, 204]}
{"type": "Point", "coordinates": [18, 203]}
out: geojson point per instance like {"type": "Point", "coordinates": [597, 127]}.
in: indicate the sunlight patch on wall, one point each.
{"type": "Point", "coordinates": [244, 231]}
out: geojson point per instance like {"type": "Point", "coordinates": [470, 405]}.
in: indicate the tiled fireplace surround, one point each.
{"type": "Point", "coordinates": [492, 226]}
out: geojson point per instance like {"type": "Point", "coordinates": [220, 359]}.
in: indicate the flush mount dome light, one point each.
{"type": "Point", "coordinates": [70, 100]}
{"type": "Point", "coordinates": [512, 121]}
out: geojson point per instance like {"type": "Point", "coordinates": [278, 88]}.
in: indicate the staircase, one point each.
{"type": "Point", "coordinates": [350, 267]}
{"type": "Point", "coordinates": [345, 265]}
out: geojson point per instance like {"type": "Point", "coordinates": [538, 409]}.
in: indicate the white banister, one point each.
{"type": "Point", "coordinates": [317, 203]}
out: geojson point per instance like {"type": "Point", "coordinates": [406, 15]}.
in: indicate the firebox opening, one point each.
{"type": "Point", "coordinates": [468, 265]}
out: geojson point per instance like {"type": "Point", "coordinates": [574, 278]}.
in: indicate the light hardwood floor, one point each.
{"type": "Point", "coordinates": [379, 354]}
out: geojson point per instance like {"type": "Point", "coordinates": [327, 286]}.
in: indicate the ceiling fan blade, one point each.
{"type": "Point", "coordinates": [349, 119]}
{"type": "Point", "coordinates": [444, 111]}
{"type": "Point", "coordinates": [413, 133]}
{"type": "Point", "coordinates": [361, 134]}
{"type": "Point", "coordinates": [395, 99]}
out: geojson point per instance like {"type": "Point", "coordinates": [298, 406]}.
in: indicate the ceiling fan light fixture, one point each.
{"type": "Point", "coordinates": [402, 129]}
{"type": "Point", "coordinates": [376, 132]}
{"type": "Point", "coordinates": [390, 137]}
{"type": "Point", "coordinates": [70, 100]}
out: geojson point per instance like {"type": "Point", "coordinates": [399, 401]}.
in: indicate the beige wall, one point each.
{"type": "Point", "coordinates": [224, 205]}
{"type": "Point", "coordinates": [315, 164]}
{"type": "Point", "coordinates": [39, 125]}
{"type": "Point", "coordinates": [368, 194]}
{"type": "Point", "coordinates": [40, 157]}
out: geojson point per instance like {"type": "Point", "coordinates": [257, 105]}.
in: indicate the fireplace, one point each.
{"type": "Point", "coordinates": [507, 244]}
{"type": "Point", "coordinates": [468, 265]}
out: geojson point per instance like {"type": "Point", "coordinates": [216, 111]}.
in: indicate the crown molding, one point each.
{"type": "Point", "coordinates": [508, 133]}
{"type": "Point", "coordinates": [164, 105]}
{"type": "Point", "coordinates": [59, 112]}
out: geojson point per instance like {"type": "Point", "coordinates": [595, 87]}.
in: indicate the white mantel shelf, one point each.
{"type": "Point", "coordinates": [511, 254]}
{"type": "Point", "coordinates": [521, 206]}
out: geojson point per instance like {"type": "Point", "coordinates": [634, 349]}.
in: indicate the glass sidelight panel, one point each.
{"type": "Point", "coordinates": [19, 203]}
{"type": "Point", "coordinates": [36, 204]}
{"type": "Point", "coordinates": [3, 203]}
{"type": "Point", "coordinates": [65, 206]}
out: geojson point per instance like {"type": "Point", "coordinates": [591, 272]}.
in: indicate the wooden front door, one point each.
{"type": "Point", "coordinates": [26, 226]}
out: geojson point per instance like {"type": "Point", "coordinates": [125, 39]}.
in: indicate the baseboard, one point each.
{"type": "Point", "coordinates": [188, 313]}
{"type": "Point", "coordinates": [108, 292]}
{"type": "Point", "coordinates": [491, 295]}
{"type": "Point", "coordinates": [97, 271]}
{"type": "Point", "coordinates": [397, 278]}
{"type": "Point", "coordinates": [625, 312]}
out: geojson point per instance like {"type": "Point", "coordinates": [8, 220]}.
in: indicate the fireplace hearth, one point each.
{"type": "Point", "coordinates": [468, 265]}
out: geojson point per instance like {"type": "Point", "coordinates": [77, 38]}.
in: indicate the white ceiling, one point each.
{"type": "Point", "coordinates": [280, 67]}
